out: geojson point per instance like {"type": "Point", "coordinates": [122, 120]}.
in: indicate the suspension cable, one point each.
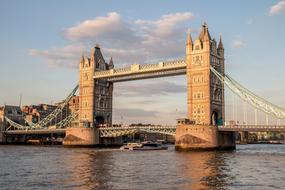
{"type": "Point", "coordinates": [249, 96]}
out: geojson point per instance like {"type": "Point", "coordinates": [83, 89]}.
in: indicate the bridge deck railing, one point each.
{"type": "Point", "coordinates": [120, 131]}
{"type": "Point", "coordinates": [137, 68]}
{"type": "Point", "coordinates": [253, 128]}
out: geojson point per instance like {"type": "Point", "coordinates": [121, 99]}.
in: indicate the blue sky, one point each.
{"type": "Point", "coordinates": [42, 41]}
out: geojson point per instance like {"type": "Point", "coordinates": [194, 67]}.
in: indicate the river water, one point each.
{"type": "Point", "coordinates": [54, 167]}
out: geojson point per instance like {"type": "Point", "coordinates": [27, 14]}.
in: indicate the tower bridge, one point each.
{"type": "Point", "coordinates": [204, 68]}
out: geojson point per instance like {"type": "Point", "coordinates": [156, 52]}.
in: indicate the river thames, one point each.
{"type": "Point", "coordinates": [54, 167]}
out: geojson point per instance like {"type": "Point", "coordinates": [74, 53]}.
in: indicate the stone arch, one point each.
{"type": "Point", "coordinates": [99, 120]}
{"type": "Point", "coordinates": [214, 118]}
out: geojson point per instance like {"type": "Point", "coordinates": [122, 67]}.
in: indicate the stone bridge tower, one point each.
{"type": "Point", "coordinates": [95, 96]}
{"type": "Point", "coordinates": [206, 104]}
{"type": "Point", "coordinates": [205, 91]}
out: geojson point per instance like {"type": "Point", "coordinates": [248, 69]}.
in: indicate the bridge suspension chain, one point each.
{"type": "Point", "coordinates": [45, 121]}
{"type": "Point", "coordinates": [250, 97]}
{"type": "Point", "coordinates": [63, 123]}
{"type": "Point", "coordinates": [30, 123]}
{"type": "Point", "coordinates": [15, 125]}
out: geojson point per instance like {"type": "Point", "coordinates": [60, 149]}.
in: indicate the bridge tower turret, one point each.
{"type": "Point", "coordinates": [95, 102]}
{"type": "Point", "coordinates": [205, 97]}
{"type": "Point", "coordinates": [221, 54]}
{"type": "Point", "coordinates": [86, 90]}
{"type": "Point", "coordinates": [205, 91]}
{"type": "Point", "coordinates": [95, 96]}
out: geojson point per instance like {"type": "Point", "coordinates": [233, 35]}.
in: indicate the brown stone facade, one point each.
{"type": "Point", "coordinates": [81, 137]}
{"type": "Point", "coordinates": [203, 137]}
{"type": "Point", "coordinates": [95, 96]}
{"type": "Point", "coordinates": [205, 91]}
{"type": "Point", "coordinates": [206, 106]}
{"type": "Point", "coordinates": [194, 137]}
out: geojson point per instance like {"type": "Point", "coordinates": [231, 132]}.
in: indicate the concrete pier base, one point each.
{"type": "Point", "coordinates": [203, 137]}
{"type": "Point", "coordinates": [244, 135]}
{"type": "Point", "coordinates": [81, 137]}
{"type": "Point", "coordinates": [2, 138]}
{"type": "Point", "coordinates": [110, 142]}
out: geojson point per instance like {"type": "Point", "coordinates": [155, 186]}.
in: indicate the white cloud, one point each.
{"type": "Point", "coordinates": [250, 21]}
{"type": "Point", "coordinates": [109, 27]}
{"type": "Point", "coordinates": [238, 44]}
{"type": "Point", "coordinates": [165, 37]}
{"type": "Point", "coordinates": [134, 112]}
{"type": "Point", "coordinates": [277, 8]}
{"type": "Point", "coordinates": [67, 56]}
{"type": "Point", "coordinates": [165, 25]}
{"type": "Point", "coordinates": [127, 42]}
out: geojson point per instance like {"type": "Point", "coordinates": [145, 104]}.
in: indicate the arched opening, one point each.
{"type": "Point", "coordinates": [214, 118]}
{"type": "Point", "coordinates": [99, 120]}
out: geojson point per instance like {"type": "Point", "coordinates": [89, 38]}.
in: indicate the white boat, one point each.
{"type": "Point", "coordinates": [144, 146]}
{"type": "Point", "coordinates": [131, 146]}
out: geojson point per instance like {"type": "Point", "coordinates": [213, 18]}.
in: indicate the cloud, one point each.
{"type": "Point", "coordinates": [127, 42]}
{"type": "Point", "coordinates": [134, 112]}
{"type": "Point", "coordinates": [238, 44]}
{"type": "Point", "coordinates": [165, 37]}
{"type": "Point", "coordinates": [138, 115]}
{"type": "Point", "coordinates": [250, 21]}
{"type": "Point", "coordinates": [143, 102]}
{"type": "Point", "coordinates": [110, 30]}
{"type": "Point", "coordinates": [150, 89]}
{"type": "Point", "coordinates": [164, 26]}
{"type": "Point", "coordinates": [67, 56]}
{"type": "Point", "coordinates": [277, 8]}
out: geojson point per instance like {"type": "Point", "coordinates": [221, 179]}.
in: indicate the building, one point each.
{"type": "Point", "coordinates": [12, 112]}
{"type": "Point", "coordinates": [95, 103]}
{"type": "Point", "coordinates": [2, 118]}
{"type": "Point", "coordinates": [205, 91]}
{"type": "Point", "coordinates": [35, 113]}
{"type": "Point", "coordinates": [73, 104]}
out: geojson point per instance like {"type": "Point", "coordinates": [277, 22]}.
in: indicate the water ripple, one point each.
{"type": "Point", "coordinates": [53, 167]}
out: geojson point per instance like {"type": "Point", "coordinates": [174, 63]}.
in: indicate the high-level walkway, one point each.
{"type": "Point", "coordinates": [137, 71]}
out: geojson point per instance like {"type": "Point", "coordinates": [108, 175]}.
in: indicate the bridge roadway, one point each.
{"type": "Point", "coordinates": [120, 131]}
{"type": "Point", "coordinates": [35, 132]}
{"type": "Point", "coordinates": [253, 128]}
{"type": "Point", "coordinates": [168, 130]}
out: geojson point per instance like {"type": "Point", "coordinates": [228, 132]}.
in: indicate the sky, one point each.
{"type": "Point", "coordinates": [41, 43]}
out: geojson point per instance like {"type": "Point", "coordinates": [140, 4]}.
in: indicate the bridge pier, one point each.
{"type": "Point", "coordinates": [2, 138]}
{"type": "Point", "coordinates": [243, 137]}
{"type": "Point", "coordinates": [203, 137]}
{"type": "Point", "coordinates": [110, 142]}
{"type": "Point", "coordinates": [81, 137]}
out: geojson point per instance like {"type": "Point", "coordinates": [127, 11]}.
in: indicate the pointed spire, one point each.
{"type": "Point", "coordinates": [111, 64]}
{"type": "Point", "coordinates": [82, 58]}
{"type": "Point", "coordinates": [189, 43]}
{"type": "Point", "coordinates": [220, 46]}
{"type": "Point", "coordinates": [189, 38]}
{"type": "Point", "coordinates": [204, 34]}
{"type": "Point", "coordinates": [207, 36]}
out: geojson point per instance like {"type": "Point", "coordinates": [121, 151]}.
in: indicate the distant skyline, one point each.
{"type": "Point", "coordinates": [42, 41]}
